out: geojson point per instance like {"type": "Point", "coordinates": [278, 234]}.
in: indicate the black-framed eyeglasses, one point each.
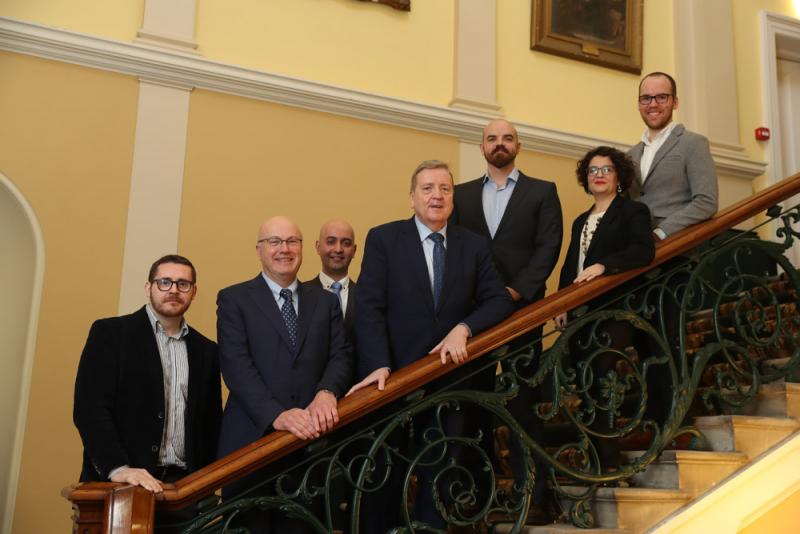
{"type": "Point", "coordinates": [605, 170]}
{"type": "Point", "coordinates": [275, 242]}
{"type": "Point", "coordinates": [660, 98]}
{"type": "Point", "coordinates": [165, 284]}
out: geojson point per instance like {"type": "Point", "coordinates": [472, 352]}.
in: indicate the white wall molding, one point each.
{"type": "Point", "coordinates": [7, 508]}
{"type": "Point", "coordinates": [154, 205]}
{"type": "Point", "coordinates": [189, 70]}
{"type": "Point", "coordinates": [743, 497]}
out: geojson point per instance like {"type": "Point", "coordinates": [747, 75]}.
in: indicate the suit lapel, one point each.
{"type": "Point", "coordinates": [452, 261]}
{"type": "Point", "coordinates": [666, 148]}
{"type": "Point", "coordinates": [351, 293]}
{"type": "Point", "coordinates": [148, 348]}
{"type": "Point", "coordinates": [475, 202]}
{"type": "Point", "coordinates": [520, 190]}
{"type": "Point", "coordinates": [262, 296]}
{"type": "Point", "coordinates": [411, 248]}
{"type": "Point", "coordinates": [602, 227]}
{"type": "Point", "coordinates": [307, 301]}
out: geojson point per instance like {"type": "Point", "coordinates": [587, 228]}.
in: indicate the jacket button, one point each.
{"type": "Point", "coordinates": [154, 448]}
{"type": "Point", "coordinates": [161, 415]}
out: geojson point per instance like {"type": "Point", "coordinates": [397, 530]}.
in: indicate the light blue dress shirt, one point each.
{"type": "Point", "coordinates": [276, 292]}
{"type": "Point", "coordinates": [495, 199]}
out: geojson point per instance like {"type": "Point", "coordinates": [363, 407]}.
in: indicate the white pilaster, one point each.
{"type": "Point", "coordinates": [705, 70]}
{"type": "Point", "coordinates": [154, 206]}
{"type": "Point", "coordinates": [169, 23]}
{"type": "Point", "coordinates": [471, 163]}
{"type": "Point", "coordinates": [475, 84]}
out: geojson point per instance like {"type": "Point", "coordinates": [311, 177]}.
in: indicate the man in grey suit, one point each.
{"type": "Point", "coordinates": [675, 172]}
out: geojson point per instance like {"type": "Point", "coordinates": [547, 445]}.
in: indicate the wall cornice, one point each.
{"type": "Point", "coordinates": [181, 69]}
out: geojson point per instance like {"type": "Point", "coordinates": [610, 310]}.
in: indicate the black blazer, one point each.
{"type": "Point", "coordinates": [264, 374]}
{"type": "Point", "coordinates": [119, 398]}
{"type": "Point", "coordinates": [349, 319]}
{"type": "Point", "coordinates": [622, 241]}
{"type": "Point", "coordinates": [526, 245]}
{"type": "Point", "coordinates": [396, 323]}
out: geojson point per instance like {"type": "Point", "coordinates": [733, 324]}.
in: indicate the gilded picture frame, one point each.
{"type": "Point", "coordinates": [602, 32]}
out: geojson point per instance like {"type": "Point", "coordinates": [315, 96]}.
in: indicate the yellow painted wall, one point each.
{"type": "Point", "coordinates": [565, 94]}
{"type": "Point", "coordinates": [747, 43]}
{"type": "Point", "coordinates": [117, 19]}
{"type": "Point", "coordinates": [782, 519]}
{"type": "Point", "coordinates": [341, 42]}
{"type": "Point", "coordinates": [71, 158]}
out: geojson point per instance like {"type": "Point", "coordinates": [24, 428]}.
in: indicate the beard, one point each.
{"type": "Point", "coordinates": [165, 307]}
{"type": "Point", "coordinates": [501, 158]}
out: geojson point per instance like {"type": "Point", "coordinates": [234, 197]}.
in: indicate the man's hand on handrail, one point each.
{"type": "Point", "coordinates": [136, 477]}
{"type": "Point", "coordinates": [378, 376]}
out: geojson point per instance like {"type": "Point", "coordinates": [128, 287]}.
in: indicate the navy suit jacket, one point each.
{"type": "Point", "coordinates": [527, 242]}
{"type": "Point", "coordinates": [264, 374]}
{"type": "Point", "coordinates": [119, 398]}
{"type": "Point", "coordinates": [396, 323]}
{"type": "Point", "coordinates": [349, 320]}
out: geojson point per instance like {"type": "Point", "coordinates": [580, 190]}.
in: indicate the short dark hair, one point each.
{"type": "Point", "coordinates": [429, 164]}
{"type": "Point", "coordinates": [672, 83]}
{"type": "Point", "coordinates": [170, 258]}
{"type": "Point", "coordinates": [622, 164]}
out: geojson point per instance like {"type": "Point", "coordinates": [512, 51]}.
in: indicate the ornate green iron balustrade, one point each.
{"type": "Point", "coordinates": [714, 324]}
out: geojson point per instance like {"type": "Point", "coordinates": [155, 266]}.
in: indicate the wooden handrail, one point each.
{"type": "Point", "coordinates": [402, 382]}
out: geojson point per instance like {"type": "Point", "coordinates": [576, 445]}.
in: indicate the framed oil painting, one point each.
{"type": "Point", "coordinates": [603, 32]}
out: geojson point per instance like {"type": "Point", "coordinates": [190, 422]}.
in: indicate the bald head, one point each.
{"type": "Point", "coordinates": [336, 247]}
{"type": "Point", "coordinates": [500, 144]}
{"type": "Point", "coordinates": [280, 249]}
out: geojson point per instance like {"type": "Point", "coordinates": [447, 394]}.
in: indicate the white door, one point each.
{"type": "Point", "coordinates": [789, 134]}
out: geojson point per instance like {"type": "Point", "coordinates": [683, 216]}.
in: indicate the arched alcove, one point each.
{"type": "Point", "coordinates": [21, 273]}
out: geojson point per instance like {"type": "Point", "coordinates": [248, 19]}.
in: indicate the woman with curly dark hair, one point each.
{"type": "Point", "coordinates": [612, 236]}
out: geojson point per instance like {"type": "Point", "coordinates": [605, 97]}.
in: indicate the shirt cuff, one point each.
{"type": "Point", "coordinates": [660, 233]}
{"type": "Point", "coordinates": [116, 470]}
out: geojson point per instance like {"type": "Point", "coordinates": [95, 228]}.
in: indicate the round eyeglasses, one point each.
{"type": "Point", "coordinates": [604, 170]}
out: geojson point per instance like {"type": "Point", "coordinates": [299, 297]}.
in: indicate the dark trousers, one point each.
{"type": "Point", "coordinates": [383, 510]}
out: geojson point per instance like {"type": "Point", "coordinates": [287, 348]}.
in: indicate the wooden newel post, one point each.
{"type": "Point", "coordinates": [108, 508]}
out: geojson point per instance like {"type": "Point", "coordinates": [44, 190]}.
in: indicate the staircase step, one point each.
{"type": "Point", "coordinates": [749, 434]}
{"type": "Point", "coordinates": [691, 471]}
{"type": "Point", "coordinates": [778, 399]}
{"type": "Point", "coordinates": [558, 528]}
{"type": "Point", "coordinates": [633, 509]}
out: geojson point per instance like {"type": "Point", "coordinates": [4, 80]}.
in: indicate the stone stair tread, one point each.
{"type": "Point", "coordinates": [687, 456]}
{"type": "Point", "coordinates": [634, 494]}
{"type": "Point", "coordinates": [749, 420]}
{"type": "Point", "coordinates": [558, 528]}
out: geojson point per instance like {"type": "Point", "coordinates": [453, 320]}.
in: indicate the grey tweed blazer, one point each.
{"type": "Point", "coordinates": [681, 188]}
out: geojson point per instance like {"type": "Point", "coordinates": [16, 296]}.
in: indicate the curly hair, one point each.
{"type": "Point", "coordinates": [622, 165]}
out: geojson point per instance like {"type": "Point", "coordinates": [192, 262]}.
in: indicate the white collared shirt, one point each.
{"type": "Point", "coordinates": [327, 281]}
{"type": "Point", "coordinates": [276, 292]}
{"type": "Point", "coordinates": [427, 244]}
{"type": "Point", "coordinates": [651, 147]}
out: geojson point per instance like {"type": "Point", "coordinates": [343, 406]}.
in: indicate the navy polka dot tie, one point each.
{"type": "Point", "coordinates": [289, 315]}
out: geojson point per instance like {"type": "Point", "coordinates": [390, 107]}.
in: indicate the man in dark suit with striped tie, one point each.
{"type": "Point", "coordinates": [284, 357]}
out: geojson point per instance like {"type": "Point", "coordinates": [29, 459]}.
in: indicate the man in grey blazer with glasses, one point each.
{"type": "Point", "coordinates": [675, 171]}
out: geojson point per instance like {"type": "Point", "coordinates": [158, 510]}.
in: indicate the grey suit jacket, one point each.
{"type": "Point", "coordinates": [681, 186]}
